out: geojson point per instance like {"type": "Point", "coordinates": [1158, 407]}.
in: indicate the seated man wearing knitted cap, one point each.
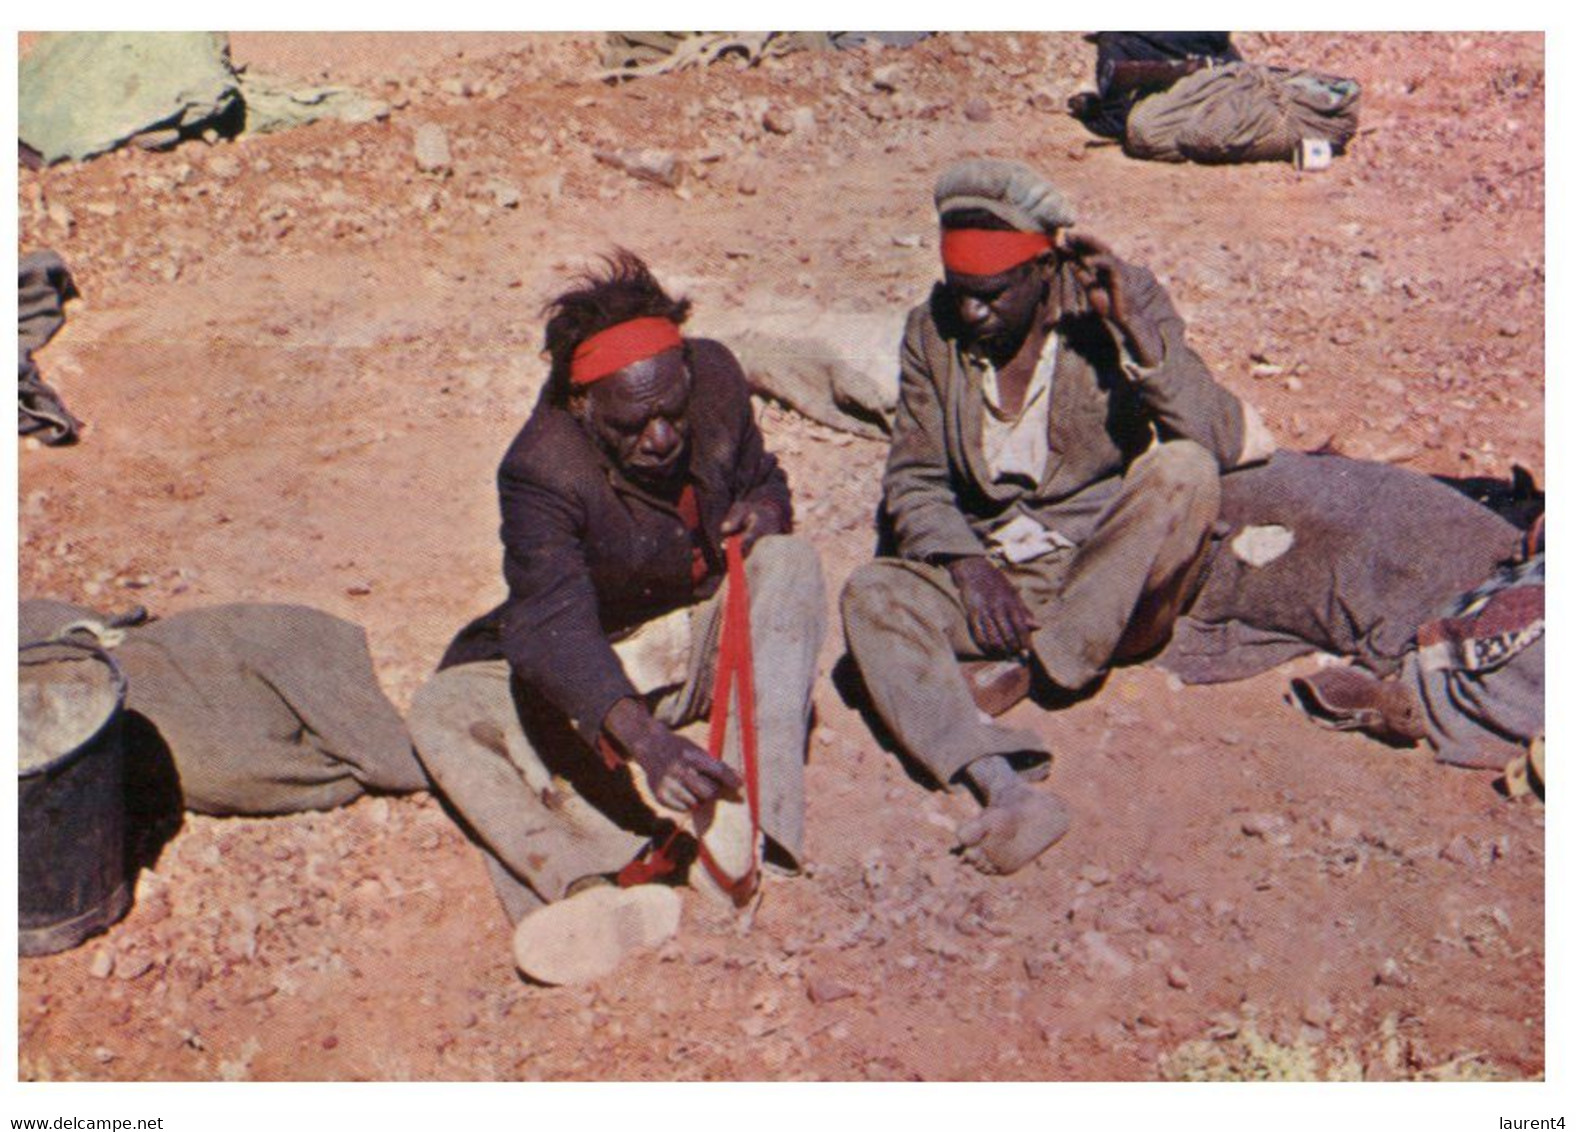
{"type": "Point", "coordinates": [1053, 475]}
{"type": "Point", "coordinates": [640, 460]}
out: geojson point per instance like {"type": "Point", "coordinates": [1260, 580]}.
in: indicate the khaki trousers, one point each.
{"type": "Point", "coordinates": [1117, 594]}
{"type": "Point", "coordinates": [546, 811]}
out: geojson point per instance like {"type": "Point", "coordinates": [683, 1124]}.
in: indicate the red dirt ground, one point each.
{"type": "Point", "coordinates": [301, 359]}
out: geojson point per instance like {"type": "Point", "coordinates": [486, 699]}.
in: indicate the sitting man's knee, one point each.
{"type": "Point", "coordinates": [868, 590]}
{"type": "Point", "coordinates": [1182, 464]}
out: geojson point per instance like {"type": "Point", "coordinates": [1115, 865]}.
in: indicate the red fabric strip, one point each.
{"type": "Point", "coordinates": [980, 251]}
{"type": "Point", "coordinates": [736, 665]}
{"type": "Point", "coordinates": [610, 350]}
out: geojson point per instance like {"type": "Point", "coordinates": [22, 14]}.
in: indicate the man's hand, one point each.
{"type": "Point", "coordinates": [1096, 271]}
{"type": "Point", "coordinates": [1000, 622]}
{"type": "Point", "coordinates": [755, 520]}
{"type": "Point", "coordinates": [680, 774]}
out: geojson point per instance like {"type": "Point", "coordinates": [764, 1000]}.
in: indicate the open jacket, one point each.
{"type": "Point", "coordinates": [589, 555]}
{"type": "Point", "coordinates": [1104, 412]}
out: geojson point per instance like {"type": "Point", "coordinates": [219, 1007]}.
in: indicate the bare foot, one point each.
{"type": "Point", "coordinates": [1010, 832]}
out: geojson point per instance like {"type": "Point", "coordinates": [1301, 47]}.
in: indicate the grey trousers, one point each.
{"type": "Point", "coordinates": [546, 811]}
{"type": "Point", "coordinates": [1117, 594]}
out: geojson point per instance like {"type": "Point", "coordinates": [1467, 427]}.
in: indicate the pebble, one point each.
{"type": "Point", "coordinates": [1343, 828]}
{"type": "Point", "coordinates": [655, 165]}
{"type": "Point", "coordinates": [1391, 975]}
{"type": "Point", "coordinates": [132, 967]}
{"type": "Point", "coordinates": [1096, 875]}
{"type": "Point", "coordinates": [1318, 1012]}
{"type": "Point", "coordinates": [1271, 827]}
{"type": "Point", "coordinates": [779, 121]}
{"type": "Point", "coordinates": [1177, 978]}
{"type": "Point", "coordinates": [823, 989]}
{"type": "Point", "coordinates": [432, 150]}
{"type": "Point", "coordinates": [977, 110]}
{"type": "Point", "coordinates": [1462, 852]}
{"type": "Point", "coordinates": [103, 963]}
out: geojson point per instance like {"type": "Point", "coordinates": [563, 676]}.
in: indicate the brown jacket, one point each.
{"type": "Point", "coordinates": [588, 555]}
{"type": "Point", "coordinates": [939, 497]}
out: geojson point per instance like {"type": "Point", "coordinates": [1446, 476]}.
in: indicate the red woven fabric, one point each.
{"type": "Point", "coordinates": [980, 251]}
{"type": "Point", "coordinates": [612, 349]}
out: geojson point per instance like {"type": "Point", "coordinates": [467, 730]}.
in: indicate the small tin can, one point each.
{"type": "Point", "coordinates": [1313, 154]}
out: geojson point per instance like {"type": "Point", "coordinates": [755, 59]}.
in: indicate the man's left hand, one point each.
{"type": "Point", "coordinates": [1095, 268]}
{"type": "Point", "coordinates": [755, 520]}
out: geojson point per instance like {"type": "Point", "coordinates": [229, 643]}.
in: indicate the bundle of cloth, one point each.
{"type": "Point", "coordinates": [1190, 96]}
{"type": "Point", "coordinates": [1436, 600]}
{"type": "Point", "coordinates": [256, 708]}
{"type": "Point", "coordinates": [43, 286]}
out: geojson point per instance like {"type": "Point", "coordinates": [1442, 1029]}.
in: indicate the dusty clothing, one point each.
{"type": "Point", "coordinates": [1106, 113]}
{"type": "Point", "coordinates": [906, 624]}
{"type": "Point", "coordinates": [546, 810]}
{"type": "Point", "coordinates": [1373, 551]}
{"type": "Point", "coordinates": [266, 709]}
{"type": "Point", "coordinates": [43, 285]}
{"type": "Point", "coordinates": [1478, 669]}
{"type": "Point", "coordinates": [939, 494]}
{"type": "Point", "coordinates": [1241, 112]}
{"type": "Point", "coordinates": [588, 555]}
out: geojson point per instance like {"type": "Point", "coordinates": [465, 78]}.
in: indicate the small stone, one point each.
{"type": "Point", "coordinates": [1318, 1012]}
{"type": "Point", "coordinates": [749, 183]}
{"type": "Point", "coordinates": [1177, 978]}
{"type": "Point", "coordinates": [129, 967]}
{"type": "Point", "coordinates": [359, 589]}
{"type": "Point", "coordinates": [1343, 828]}
{"type": "Point", "coordinates": [1462, 852]}
{"type": "Point", "coordinates": [778, 121]}
{"type": "Point", "coordinates": [504, 194]}
{"type": "Point", "coordinates": [1263, 825]}
{"type": "Point", "coordinates": [912, 240]}
{"type": "Point", "coordinates": [331, 1041]}
{"type": "Point", "coordinates": [1095, 875]}
{"type": "Point", "coordinates": [977, 110]}
{"type": "Point", "coordinates": [886, 77]}
{"type": "Point", "coordinates": [103, 1055]}
{"type": "Point", "coordinates": [432, 150]}
{"type": "Point", "coordinates": [102, 964]}
{"type": "Point", "coordinates": [655, 165]}
{"type": "Point", "coordinates": [1391, 975]}
{"type": "Point", "coordinates": [823, 989]}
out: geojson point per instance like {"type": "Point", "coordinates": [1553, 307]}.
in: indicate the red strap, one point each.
{"type": "Point", "coordinates": [735, 663]}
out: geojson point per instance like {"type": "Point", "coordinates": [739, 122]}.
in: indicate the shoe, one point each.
{"type": "Point", "coordinates": [583, 937]}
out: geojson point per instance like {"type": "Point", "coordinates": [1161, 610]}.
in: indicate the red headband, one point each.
{"type": "Point", "coordinates": [981, 251]}
{"type": "Point", "coordinates": [610, 350]}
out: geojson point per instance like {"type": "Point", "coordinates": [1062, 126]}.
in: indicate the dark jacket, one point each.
{"type": "Point", "coordinates": [939, 494]}
{"type": "Point", "coordinates": [588, 555]}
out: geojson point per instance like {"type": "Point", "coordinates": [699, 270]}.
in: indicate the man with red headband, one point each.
{"type": "Point", "coordinates": [1054, 472]}
{"type": "Point", "coordinates": [641, 458]}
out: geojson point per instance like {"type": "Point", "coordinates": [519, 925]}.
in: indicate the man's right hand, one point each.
{"type": "Point", "coordinates": [680, 774]}
{"type": "Point", "coordinates": [999, 621]}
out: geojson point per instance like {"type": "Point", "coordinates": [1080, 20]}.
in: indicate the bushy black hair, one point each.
{"type": "Point", "coordinates": [622, 290]}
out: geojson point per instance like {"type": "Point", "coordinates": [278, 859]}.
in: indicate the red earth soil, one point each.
{"type": "Point", "coordinates": [300, 360]}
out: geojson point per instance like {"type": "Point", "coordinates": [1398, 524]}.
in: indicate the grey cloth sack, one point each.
{"type": "Point", "coordinates": [1375, 551]}
{"type": "Point", "coordinates": [43, 285]}
{"type": "Point", "coordinates": [1242, 112]}
{"type": "Point", "coordinates": [266, 709]}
